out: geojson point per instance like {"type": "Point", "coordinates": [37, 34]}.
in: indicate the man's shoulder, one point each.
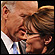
{"type": "Point", "coordinates": [3, 48]}
{"type": "Point", "coordinates": [23, 46]}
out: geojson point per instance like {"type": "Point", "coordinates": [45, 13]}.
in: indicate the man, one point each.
{"type": "Point", "coordinates": [12, 29]}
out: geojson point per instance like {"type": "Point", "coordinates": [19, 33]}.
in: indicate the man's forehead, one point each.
{"type": "Point", "coordinates": [27, 2]}
{"type": "Point", "coordinates": [27, 6]}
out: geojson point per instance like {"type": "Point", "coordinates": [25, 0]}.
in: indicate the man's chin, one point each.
{"type": "Point", "coordinates": [21, 37]}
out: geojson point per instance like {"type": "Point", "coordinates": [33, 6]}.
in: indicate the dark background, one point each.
{"type": "Point", "coordinates": [40, 3]}
{"type": "Point", "coordinates": [45, 2]}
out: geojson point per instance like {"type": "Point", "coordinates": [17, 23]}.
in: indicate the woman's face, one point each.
{"type": "Point", "coordinates": [35, 43]}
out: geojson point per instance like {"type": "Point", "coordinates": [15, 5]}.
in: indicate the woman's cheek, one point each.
{"type": "Point", "coordinates": [28, 48]}
{"type": "Point", "coordinates": [37, 46]}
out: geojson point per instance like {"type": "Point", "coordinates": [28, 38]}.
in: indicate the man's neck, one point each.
{"type": "Point", "coordinates": [3, 26]}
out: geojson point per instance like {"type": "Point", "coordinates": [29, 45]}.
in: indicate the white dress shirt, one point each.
{"type": "Point", "coordinates": [8, 43]}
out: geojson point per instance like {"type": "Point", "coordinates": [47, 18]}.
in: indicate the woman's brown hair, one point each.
{"type": "Point", "coordinates": [42, 20]}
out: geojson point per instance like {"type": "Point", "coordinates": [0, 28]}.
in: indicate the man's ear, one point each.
{"type": "Point", "coordinates": [5, 12]}
{"type": "Point", "coordinates": [47, 39]}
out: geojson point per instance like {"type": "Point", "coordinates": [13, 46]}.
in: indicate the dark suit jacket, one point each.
{"type": "Point", "coordinates": [21, 46]}
{"type": "Point", "coordinates": [3, 48]}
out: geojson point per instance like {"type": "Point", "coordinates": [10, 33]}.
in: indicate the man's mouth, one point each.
{"type": "Point", "coordinates": [21, 31]}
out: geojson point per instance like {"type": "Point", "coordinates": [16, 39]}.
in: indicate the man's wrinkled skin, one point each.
{"type": "Point", "coordinates": [12, 22]}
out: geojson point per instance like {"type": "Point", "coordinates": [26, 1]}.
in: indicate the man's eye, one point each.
{"type": "Point", "coordinates": [23, 16]}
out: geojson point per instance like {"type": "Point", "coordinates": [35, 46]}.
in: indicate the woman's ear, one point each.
{"type": "Point", "coordinates": [5, 12]}
{"type": "Point", "coordinates": [47, 39]}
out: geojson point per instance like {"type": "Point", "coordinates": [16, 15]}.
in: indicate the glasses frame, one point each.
{"type": "Point", "coordinates": [42, 34]}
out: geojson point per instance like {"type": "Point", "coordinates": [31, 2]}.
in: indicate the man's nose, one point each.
{"type": "Point", "coordinates": [23, 19]}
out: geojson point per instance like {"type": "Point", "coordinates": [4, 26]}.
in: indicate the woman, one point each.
{"type": "Point", "coordinates": [40, 31]}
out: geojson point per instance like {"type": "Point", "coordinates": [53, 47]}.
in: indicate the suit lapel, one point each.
{"type": "Point", "coordinates": [22, 45]}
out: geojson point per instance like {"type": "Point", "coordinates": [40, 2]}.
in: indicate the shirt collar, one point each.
{"type": "Point", "coordinates": [16, 43]}
{"type": "Point", "coordinates": [7, 41]}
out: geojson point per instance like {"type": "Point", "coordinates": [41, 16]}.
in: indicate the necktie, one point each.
{"type": "Point", "coordinates": [15, 49]}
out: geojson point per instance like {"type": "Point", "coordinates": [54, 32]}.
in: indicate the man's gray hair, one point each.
{"type": "Point", "coordinates": [9, 4]}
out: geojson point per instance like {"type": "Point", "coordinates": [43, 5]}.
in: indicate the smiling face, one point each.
{"type": "Point", "coordinates": [14, 21]}
{"type": "Point", "coordinates": [35, 43]}
{"type": "Point", "coordinates": [40, 22]}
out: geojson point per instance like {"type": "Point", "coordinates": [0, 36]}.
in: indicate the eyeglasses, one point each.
{"type": "Point", "coordinates": [32, 33]}
{"type": "Point", "coordinates": [42, 34]}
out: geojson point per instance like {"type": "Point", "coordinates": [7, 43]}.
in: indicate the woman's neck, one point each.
{"type": "Point", "coordinates": [44, 50]}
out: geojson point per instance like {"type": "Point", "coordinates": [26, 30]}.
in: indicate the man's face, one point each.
{"type": "Point", "coordinates": [15, 19]}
